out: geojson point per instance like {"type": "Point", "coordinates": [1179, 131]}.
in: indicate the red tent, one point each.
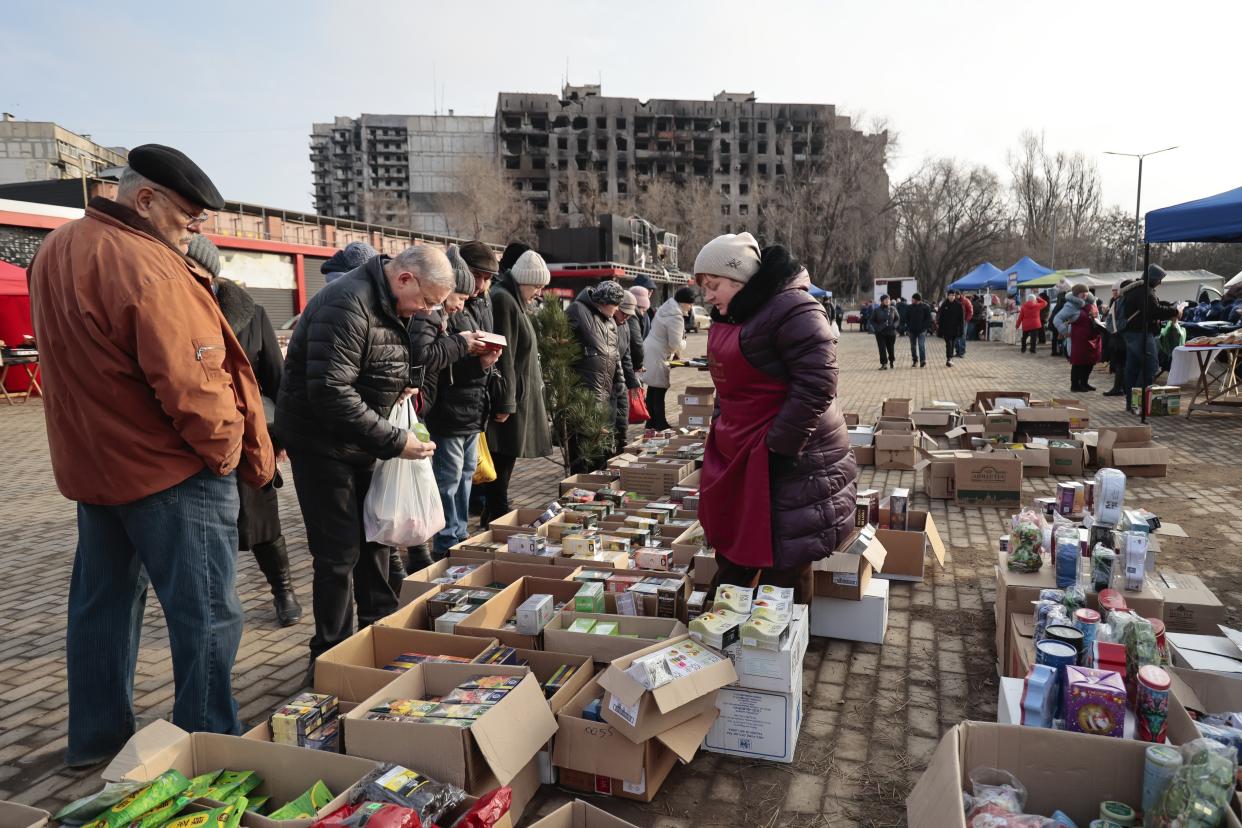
{"type": "Point", "coordinates": [14, 317]}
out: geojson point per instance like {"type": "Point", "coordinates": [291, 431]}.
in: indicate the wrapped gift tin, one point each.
{"type": "Point", "coordinates": [1112, 601]}
{"type": "Point", "coordinates": [1118, 813]}
{"type": "Point", "coordinates": [1087, 621]}
{"type": "Point", "coordinates": [1057, 655]}
{"type": "Point", "coordinates": [1065, 499]}
{"type": "Point", "coordinates": [1151, 707]}
{"type": "Point", "coordinates": [1095, 702]}
{"type": "Point", "coordinates": [1039, 696]}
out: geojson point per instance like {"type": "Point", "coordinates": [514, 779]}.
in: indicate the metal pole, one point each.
{"type": "Point", "coordinates": [1138, 200]}
{"type": "Point", "coordinates": [1146, 333]}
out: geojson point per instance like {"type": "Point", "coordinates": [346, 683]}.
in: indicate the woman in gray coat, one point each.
{"type": "Point", "coordinates": [667, 338]}
{"type": "Point", "coordinates": [519, 423]}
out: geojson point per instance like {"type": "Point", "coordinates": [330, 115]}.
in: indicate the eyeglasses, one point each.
{"type": "Point", "coordinates": [192, 220]}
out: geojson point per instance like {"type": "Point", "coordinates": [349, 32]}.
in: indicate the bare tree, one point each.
{"type": "Point", "coordinates": [486, 206]}
{"type": "Point", "coordinates": [1057, 195]}
{"type": "Point", "coordinates": [385, 207]}
{"type": "Point", "coordinates": [589, 196]}
{"type": "Point", "coordinates": [948, 217]}
{"type": "Point", "coordinates": [690, 209]}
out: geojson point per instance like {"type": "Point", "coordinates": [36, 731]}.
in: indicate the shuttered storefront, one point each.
{"type": "Point", "coordinates": [279, 304]}
{"type": "Point", "coordinates": [314, 279]}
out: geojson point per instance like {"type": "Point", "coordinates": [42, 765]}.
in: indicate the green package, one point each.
{"type": "Point", "coordinates": [215, 818]}
{"type": "Point", "coordinates": [227, 785]}
{"type": "Point", "coordinates": [200, 784]}
{"type": "Point", "coordinates": [305, 806]}
{"type": "Point", "coordinates": [82, 811]}
{"type": "Point", "coordinates": [239, 808]}
{"type": "Point", "coordinates": [247, 785]}
{"type": "Point", "coordinates": [257, 804]}
{"type": "Point", "coordinates": [162, 814]}
{"type": "Point", "coordinates": [168, 785]}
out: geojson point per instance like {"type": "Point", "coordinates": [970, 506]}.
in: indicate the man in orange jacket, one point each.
{"type": "Point", "coordinates": [152, 412]}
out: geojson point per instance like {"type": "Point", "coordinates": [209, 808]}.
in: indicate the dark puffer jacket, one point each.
{"type": "Point", "coordinates": [433, 350]}
{"type": "Point", "coordinates": [480, 310]}
{"type": "Point", "coordinates": [785, 335]}
{"type": "Point", "coordinates": [600, 365]}
{"type": "Point", "coordinates": [348, 361]}
{"type": "Point", "coordinates": [636, 341]}
{"type": "Point", "coordinates": [460, 397]}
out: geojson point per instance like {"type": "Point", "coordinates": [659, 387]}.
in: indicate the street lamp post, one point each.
{"type": "Point", "coordinates": [1138, 199]}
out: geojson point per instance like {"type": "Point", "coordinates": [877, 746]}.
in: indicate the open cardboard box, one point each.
{"type": "Point", "coordinates": [1073, 772]}
{"type": "Point", "coordinates": [905, 550]}
{"type": "Point", "coordinates": [640, 714]}
{"type": "Point", "coordinates": [544, 663]}
{"type": "Point", "coordinates": [287, 772]}
{"type": "Point", "coordinates": [655, 477]}
{"type": "Point", "coordinates": [863, 455]}
{"type": "Point", "coordinates": [357, 663]}
{"type": "Point", "coordinates": [413, 615]}
{"type": "Point", "coordinates": [845, 575]}
{"type": "Point", "coordinates": [1194, 690]}
{"type": "Point", "coordinates": [1207, 653]}
{"type": "Point", "coordinates": [579, 814]}
{"type": "Point", "coordinates": [937, 422]}
{"type": "Point", "coordinates": [518, 522]}
{"type": "Point", "coordinates": [1131, 449]}
{"type": "Point", "coordinates": [493, 751]}
{"type": "Point", "coordinates": [1044, 421]}
{"type": "Point", "coordinates": [1035, 459]}
{"type": "Point", "coordinates": [987, 400]}
{"type": "Point", "coordinates": [776, 671]}
{"type": "Point", "coordinates": [1067, 460]}
{"type": "Point", "coordinates": [1189, 606]}
{"type": "Point", "coordinates": [897, 407]}
{"type": "Point", "coordinates": [636, 770]}
{"type": "Point", "coordinates": [991, 478]}
{"type": "Point", "coordinates": [938, 471]}
{"type": "Point", "coordinates": [13, 815]}
{"type": "Point", "coordinates": [605, 648]}
{"type": "Point", "coordinates": [590, 482]}
{"type": "Point", "coordinates": [417, 583]}
{"type": "Point", "coordinates": [488, 620]}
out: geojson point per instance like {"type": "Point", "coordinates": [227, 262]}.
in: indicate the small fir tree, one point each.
{"type": "Point", "coordinates": [574, 409]}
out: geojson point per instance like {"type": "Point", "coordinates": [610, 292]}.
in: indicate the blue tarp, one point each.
{"type": "Point", "coordinates": [1216, 218]}
{"type": "Point", "coordinates": [985, 276]}
{"type": "Point", "coordinates": [818, 292]}
{"type": "Point", "coordinates": [1027, 269]}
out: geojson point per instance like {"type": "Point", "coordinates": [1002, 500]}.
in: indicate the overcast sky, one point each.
{"type": "Point", "coordinates": [237, 85]}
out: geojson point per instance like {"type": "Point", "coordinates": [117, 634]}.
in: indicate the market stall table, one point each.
{"type": "Point", "coordinates": [27, 359]}
{"type": "Point", "coordinates": [1213, 391]}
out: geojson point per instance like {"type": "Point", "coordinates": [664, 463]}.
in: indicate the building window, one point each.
{"type": "Point", "coordinates": [582, 145]}
{"type": "Point", "coordinates": [743, 209]}
{"type": "Point", "coordinates": [601, 123]}
{"type": "Point", "coordinates": [562, 143]}
{"type": "Point", "coordinates": [724, 189]}
{"type": "Point", "coordinates": [538, 163]}
{"type": "Point", "coordinates": [564, 208]}
{"type": "Point", "coordinates": [763, 147]}
{"type": "Point", "coordinates": [763, 127]}
{"type": "Point", "coordinates": [763, 169]}
{"type": "Point", "coordinates": [562, 164]}
{"type": "Point", "coordinates": [622, 188]}
{"type": "Point", "coordinates": [743, 188]}
{"type": "Point", "coordinates": [601, 144]}
{"type": "Point", "coordinates": [513, 162]}
{"type": "Point", "coordinates": [620, 122]}
{"type": "Point", "coordinates": [724, 209]}
{"type": "Point", "coordinates": [580, 122]}
{"type": "Point", "coordinates": [622, 144]}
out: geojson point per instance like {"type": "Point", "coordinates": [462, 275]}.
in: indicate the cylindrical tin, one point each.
{"type": "Point", "coordinates": [1087, 621]}
{"type": "Point", "coordinates": [1151, 708]}
{"type": "Point", "coordinates": [1004, 543]}
{"type": "Point", "coordinates": [1067, 634]}
{"type": "Point", "coordinates": [1110, 601]}
{"type": "Point", "coordinates": [1158, 771]}
{"type": "Point", "coordinates": [1117, 813]}
{"type": "Point", "coordinates": [1157, 626]}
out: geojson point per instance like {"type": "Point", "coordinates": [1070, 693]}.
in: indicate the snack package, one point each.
{"type": "Point", "coordinates": [164, 787]}
{"type": "Point", "coordinates": [409, 789]}
{"type": "Point", "coordinates": [1200, 791]}
{"type": "Point", "coordinates": [227, 784]}
{"type": "Point", "coordinates": [489, 810]}
{"type": "Point", "coordinates": [306, 805]}
{"type": "Point", "coordinates": [82, 811]}
{"type": "Point", "coordinates": [1026, 543]}
{"type": "Point", "coordinates": [215, 818]}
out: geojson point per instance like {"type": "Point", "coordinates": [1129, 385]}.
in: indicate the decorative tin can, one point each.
{"type": "Point", "coordinates": [1088, 495]}
{"type": "Point", "coordinates": [1087, 621]}
{"type": "Point", "coordinates": [1117, 813]}
{"type": "Point", "coordinates": [1157, 626]}
{"type": "Point", "coordinates": [1004, 543]}
{"type": "Point", "coordinates": [1112, 601]}
{"type": "Point", "coordinates": [1039, 696]}
{"type": "Point", "coordinates": [1067, 634]}
{"type": "Point", "coordinates": [1158, 771]}
{"type": "Point", "coordinates": [1095, 702]}
{"type": "Point", "coordinates": [1151, 708]}
{"type": "Point", "coordinates": [1058, 655]}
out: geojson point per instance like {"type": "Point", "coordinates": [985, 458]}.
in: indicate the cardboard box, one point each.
{"type": "Point", "coordinates": [1131, 449]}
{"type": "Point", "coordinates": [519, 522]}
{"type": "Point", "coordinates": [653, 477]}
{"type": "Point", "coordinates": [591, 482]}
{"type": "Point", "coordinates": [1072, 772]}
{"type": "Point", "coordinates": [1035, 459]}
{"type": "Point", "coordinates": [865, 620]}
{"type": "Point", "coordinates": [469, 548]}
{"type": "Point", "coordinates": [989, 479]}
{"type": "Point", "coordinates": [413, 615]}
{"type": "Point", "coordinates": [845, 574]}
{"type": "Point", "coordinates": [1202, 693]}
{"type": "Point", "coordinates": [704, 568]}
{"type": "Point", "coordinates": [357, 663]}
{"type": "Point", "coordinates": [628, 769]}
{"type": "Point", "coordinates": [1189, 606]}
{"type": "Point", "coordinates": [1161, 400]}
{"type": "Point", "coordinates": [697, 395]}
{"type": "Point", "coordinates": [1021, 649]}
{"type": "Point", "coordinates": [864, 455]}
{"type": "Point", "coordinates": [287, 771]}
{"type": "Point", "coordinates": [1067, 461]}
{"type": "Point", "coordinates": [851, 419]}
{"type": "Point", "coordinates": [579, 814]}
{"type": "Point", "coordinates": [493, 751]}
{"type": "Point", "coordinates": [13, 815]}
{"type": "Point", "coordinates": [641, 714]}
{"type": "Point", "coordinates": [1208, 653]}
{"type": "Point", "coordinates": [757, 724]}
{"type": "Point", "coordinates": [488, 620]}
{"type": "Point", "coordinates": [937, 470]}
{"type": "Point", "coordinates": [897, 407]}
{"type": "Point", "coordinates": [987, 400]}
{"type": "Point", "coordinates": [1043, 422]}
{"type": "Point", "coordinates": [905, 551]}
{"type": "Point", "coordinates": [1001, 424]}
{"type": "Point", "coordinates": [544, 663]}
{"type": "Point", "coordinates": [606, 648]}
{"type": "Point", "coordinates": [696, 416]}
{"type": "Point", "coordinates": [776, 671]}
{"type": "Point", "coordinates": [420, 582]}
{"type": "Point", "coordinates": [937, 422]}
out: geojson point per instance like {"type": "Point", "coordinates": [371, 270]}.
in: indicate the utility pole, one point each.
{"type": "Point", "coordinates": [1138, 199]}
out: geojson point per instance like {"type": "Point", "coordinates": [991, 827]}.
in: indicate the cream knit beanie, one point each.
{"type": "Point", "coordinates": [531, 269]}
{"type": "Point", "coordinates": [734, 256]}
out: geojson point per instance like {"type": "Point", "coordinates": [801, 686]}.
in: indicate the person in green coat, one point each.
{"type": "Point", "coordinates": [519, 419]}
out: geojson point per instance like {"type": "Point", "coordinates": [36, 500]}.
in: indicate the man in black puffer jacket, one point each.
{"type": "Point", "coordinates": [348, 364]}
{"type": "Point", "coordinates": [591, 318]}
{"type": "Point", "coordinates": [625, 347]}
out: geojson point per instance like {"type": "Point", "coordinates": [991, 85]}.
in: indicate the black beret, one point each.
{"type": "Point", "coordinates": [173, 169]}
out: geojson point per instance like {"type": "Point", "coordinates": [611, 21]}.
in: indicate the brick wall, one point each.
{"type": "Point", "coordinates": [18, 244]}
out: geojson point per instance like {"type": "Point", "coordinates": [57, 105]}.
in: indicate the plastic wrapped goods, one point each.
{"type": "Point", "coordinates": [1200, 791]}
{"type": "Point", "coordinates": [1026, 543]}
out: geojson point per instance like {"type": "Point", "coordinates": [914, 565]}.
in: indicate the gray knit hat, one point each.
{"type": "Point", "coordinates": [733, 256]}
{"type": "Point", "coordinates": [629, 304]}
{"type": "Point", "coordinates": [463, 278]}
{"type": "Point", "coordinates": [531, 269]}
{"type": "Point", "coordinates": [205, 253]}
{"type": "Point", "coordinates": [608, 293]}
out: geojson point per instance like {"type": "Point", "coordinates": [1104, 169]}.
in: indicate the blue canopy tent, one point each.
{"type": "Point", "coordinates": [818, 292]}
{"type": "Point", "coordinates": [1027, 269]}
{"type": "Point", "coordinates": [1216, 218]}
{"type": "Point", "coordinates": [986, 276]}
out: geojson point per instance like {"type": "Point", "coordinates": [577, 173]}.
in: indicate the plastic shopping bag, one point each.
{"type": "Point", "coordinates": [638, 406]}
{"type": "Point", "coordinates": [485, 470]}
{"type": "Point", "coordinates": [402, 507]}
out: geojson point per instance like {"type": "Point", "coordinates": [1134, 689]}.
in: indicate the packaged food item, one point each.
{"type": "Point", "coordinates": [257, 804]}
{"type": "Point", "coordinates": [718, 629]}
{"type": "Point", "coordinates": [589, 597]}
{"type": "Point", "coordinates": [1151, 707]}
{"type": "Point", "coordinates": [214, 818]}
{"type": "Point", "coordinates": [1095, 702]}
{"type": "Point", "coordinates": [1110, 495]}
{"type": "Point", "coordinates": [582, 625]}
{"type": "Point", "coordinates": [164, 787]}
{"type": "Point", "coordinates": [305, 806]}
{"type": "Point", "coordinates": [1134, 553]}
{"type": "Point", "coordinates": [490, 809]}
{"type": "Point", "coordinates": [1200, 790]}
{"type": "Point", "coordinates": [899, 509]}
{"type": "Point", "coordinates": [1103, 560]}
{"type": "Point", "coordinates": [733, 598]}
{"type": "Point", "coordinates": [1065, 546]}
{"type": "Point", "coordinates": [85, 809]}
{"type": "Point", "coordinates": [1075, 599]}
{"type": "Point", "coordinates": [409, 789]}
{"type": "Point", "coordinates": [1159, 768]}
{"type": "Point", "coordinates": [761, 633]}
{"type": "Point", "coordinates": [533, 614]}
{"type": "Point", "coordinates": [460, 696]}
{"type": "Point", "coordinates": [1026, 543]}
{"type": "Point", "coordinates": [606, 628]}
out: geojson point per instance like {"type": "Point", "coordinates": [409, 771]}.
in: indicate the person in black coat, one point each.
{"type": "Point", "coordinates": [951, 324]}
{"type": "Point", "coordinates": [599, 368]}
{"type": "Point", "coordinates": [627, 326]}
{"type": "Point", "coordinates": [348, 364]}
{"type": "Point", "coordinates": [258, 521]}
{"type": "Point", "coordinates": [918, 325]}
{"type": "Point", "coordinates": [456, 366]}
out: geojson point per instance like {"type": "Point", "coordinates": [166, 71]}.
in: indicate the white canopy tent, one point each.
{"type": "Point", "coordinates": [1178, 285]}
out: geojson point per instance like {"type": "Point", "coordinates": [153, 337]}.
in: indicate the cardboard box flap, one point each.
{"type": "Point", "coordinates": [937, 797]}
{"type": "Point", "coordinates": [621, 685]}
{"type": "Point", "coordinates": [150, 748]}
{"type": "Point", "coordinates": [875, 553]}
{"type": "Point", "coordinates": [686, 738]}
{"type": "Point", "coordinates": [508, 744]}
{"type": "Point", "coordinates": [1184, 692]}
{"type": "Point", "coordinates": [934, 539]}
{"type": "Point", "coordinates": [685, 690]}
{"type": "Point", "coordinates": [13, 815]}
{"type": "Point", "coordinates": [1024, 624]}
{"type": "Point", "coordinates": [579, 814]}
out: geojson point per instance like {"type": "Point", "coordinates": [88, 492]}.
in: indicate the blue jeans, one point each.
{"type": "Point", "coordinates": [918, 347]}
{"type": "Point", "coordinates": [961, 345]}
{"type": "Point", "coordinates": [1135, 343]}
{"type": "Point", "coordinates": [453, 465]}
{"type": "Point", "coordinates": [183, 542]}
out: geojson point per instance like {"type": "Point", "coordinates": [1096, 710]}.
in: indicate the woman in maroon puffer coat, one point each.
{"type": "Point", "coordinates": [778, 475]}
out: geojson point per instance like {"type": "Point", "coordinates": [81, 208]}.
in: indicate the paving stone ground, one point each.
{"type": "Point", "coordinates": [873, 714]}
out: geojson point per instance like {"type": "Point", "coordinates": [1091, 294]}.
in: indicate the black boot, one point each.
{"type": "Point", "coordinates": [396, 569]}
{"type": "Point", "coordinates": [419, 557]}
{"type": "Point", "coordinates": [273, 560]}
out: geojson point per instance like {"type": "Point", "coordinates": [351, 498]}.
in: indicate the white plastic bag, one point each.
{"type": "Point", "coordinates": [402, 507]}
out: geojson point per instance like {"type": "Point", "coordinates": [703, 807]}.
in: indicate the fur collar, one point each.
{"type": "Point", "coordinates": [236, 303]}
{"type": "Point", "coordinates": [777, 270]}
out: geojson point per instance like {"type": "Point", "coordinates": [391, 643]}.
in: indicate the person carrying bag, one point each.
{"type": "Point", "coordinates": [402, 507]}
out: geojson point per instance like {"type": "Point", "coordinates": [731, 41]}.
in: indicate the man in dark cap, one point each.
{"type": "Point", "coordinates": [1138, 331]}
{"type": "Point", "coordinates": [481, 260]}
{"type": "Point", "coordinates": [153, 412]}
